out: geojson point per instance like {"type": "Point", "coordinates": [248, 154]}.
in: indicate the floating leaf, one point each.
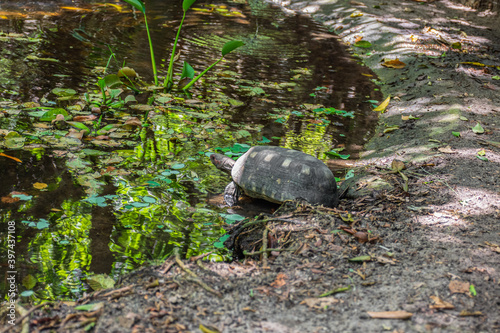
{"type": "Point", "coordinates": [61, 92]}
{"type": "Point", "coordinates": [14, 140]}
{"type": "Point", "coordinates": [383, 105]}
{"type": "Point", "coordinates": [40, 186]}
{"type": "Point", "coordinates": [478, 129]}
{"type": "Point", "coordinates": [112, 81]}
{"type": "Point", "coordinates": [27, 293]}
{"type": "Point", "coordinates": [177, 166]}
{"type": "Point", "coordinates": [52, 114]}
{"type": "Point", "coordinates": [22, 197]}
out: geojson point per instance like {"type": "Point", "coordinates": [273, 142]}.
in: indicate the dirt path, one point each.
{"type": "Point", "coordinates": [430, 254]}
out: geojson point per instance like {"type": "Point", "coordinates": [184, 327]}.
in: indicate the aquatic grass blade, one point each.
{"type": "Point", "coordinates": [227, 48]}
{"type": "Point", "coordinates": [139, 5]}
{"type": "Point", "coordinates": [186, 4]}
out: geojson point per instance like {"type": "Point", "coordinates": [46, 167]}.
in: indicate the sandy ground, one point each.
{"type": "Point", "coordinates": [425, 240]}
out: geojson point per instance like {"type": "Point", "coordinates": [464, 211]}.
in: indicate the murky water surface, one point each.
{"type": "Point", "coordinates": [107, 205]}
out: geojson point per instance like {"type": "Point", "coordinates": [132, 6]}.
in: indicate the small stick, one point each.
{"type": "Point", "coordinates": [264, 248]}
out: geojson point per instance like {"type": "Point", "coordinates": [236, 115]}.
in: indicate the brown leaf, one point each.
{"type": "Point", "coordinates": [459, 287]}
{"type": "Point", "coordinates": [390, 314]}
{"type": "Point", "coordinates": [84, 118]}
{"type": "Point", "coordinates": [440, 304]}
{"type": "Point", "coordinates": [280, 281]}
{"type": "Point", "coordinates": [465, 313]}
{"type": "Point", "coordinates": [447, 150]}
{"type": "Point", "coordinates": [39, 186]}
{"type": "Point", "coordinates": [396, 63]}
{"type": "Point", "coordinates": [397, 165]}
{"type": "Point", "coordinates": [319, 303]}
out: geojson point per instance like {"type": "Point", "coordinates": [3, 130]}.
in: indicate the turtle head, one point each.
{"type": "Point", "coordinates": [222, 162]}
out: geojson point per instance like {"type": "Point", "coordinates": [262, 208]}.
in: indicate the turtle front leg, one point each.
{"type": "Point", "coordinates": [232, 194]}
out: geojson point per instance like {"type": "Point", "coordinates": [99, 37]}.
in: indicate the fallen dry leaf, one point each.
{"type": "Point", "coordinates": [390, 314]}
{"type": "Point", "coordinates": [465, 313]}
{"type": "Point", "coordinates": [396, 63]}
{"type": "Point", "coordinates": [39, 186]}
{"type": "Point", "coordinates": [320, 303]}
{"type": "Point", "coordinates": [280, 281]}
{"type": "Point", "coordinates": [440, 304]}
{"type": "Point", "coordinates": [383, 105]}
{"type": "Point", "coordinates": [459, 287]}
{"type": "Point", "coordinates": [447, 150]}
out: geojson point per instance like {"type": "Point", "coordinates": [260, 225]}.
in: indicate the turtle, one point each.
{"type": "Point", "coordinates": [278, 174]}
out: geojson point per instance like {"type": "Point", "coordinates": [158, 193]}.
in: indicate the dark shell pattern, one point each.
{"type": "Point", "coordinates": [277, 174]}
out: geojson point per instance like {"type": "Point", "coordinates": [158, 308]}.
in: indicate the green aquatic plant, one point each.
{"type": "Point", "coordinates": [139, 5]}
{"type": "Point", "coordinates": [168, 82]}
{"type": "Point", "coordinates": [226, 49]}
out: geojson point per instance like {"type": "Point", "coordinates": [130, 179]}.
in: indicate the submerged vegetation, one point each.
{"type": "Point", "coordinates": [116, 176]}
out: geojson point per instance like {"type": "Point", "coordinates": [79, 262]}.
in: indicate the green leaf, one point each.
{"type": "Point", "coordinates": [52, 114]}
{"type": "Point", "coordinates": [457, 134]}
{"type": "Point", "coordinates": [187, 71]}
{"type": "Point", "coordinates": [14, 140]}
{"type": "Point", "coordinates": [138, 4]}
{"type": "Point", "coordinates": [149, 199]}
{"type": "Point", "coordinates": [29, 281]}
{"type": "Point", "coordinates": [231, 46]}
{"type": "Point", "coordinates": [61, 92]}
{"type": "Point", "coordinates": [186, 4]}
{"type": "Point", "coordinates": [90, 307]}
{"type": "Point", "coordinates": [363, 43]}
{"type": "Point", "coordinates": [27, 293]}
{"type": "Point", "coordinates": [335, 154]}
{"type": "Point", "coordinates": [496, 77]}
{"type": "Point", "coordinates": [472, 290]}
{"type": "Point", "coordinates": [79, 126]}
{"type": "Point", "coordinates": [22, 197]}
{"type": "Point", "coordinates": [178, 166]}
{"type": "Point", "coordinates": [112, 81]}
{"type": "Point", "coordinates": [483, 158]}
{"type": "Point", "coordinates": [105, 129]}
{"type": "Point", "coordinates": [478, 129]}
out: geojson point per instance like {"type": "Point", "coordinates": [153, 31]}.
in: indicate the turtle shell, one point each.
{"type": "Point", "coordinates": [277, 174]}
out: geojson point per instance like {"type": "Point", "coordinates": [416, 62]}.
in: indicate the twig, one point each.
{"type": "Point", "coordinates": [264, 248]}
{"type": "Point", "coordinates": [26, 314]}
{"type": "Point", "coordinates": [267, 250]}
{"type": "Point", "coordinates": [195, 278]}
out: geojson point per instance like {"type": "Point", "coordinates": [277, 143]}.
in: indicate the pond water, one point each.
{"type": "Point", "coordinates": [106, 204]}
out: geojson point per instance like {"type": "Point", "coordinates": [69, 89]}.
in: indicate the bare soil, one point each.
{"type": "Point", "coordinates": [425, 240]}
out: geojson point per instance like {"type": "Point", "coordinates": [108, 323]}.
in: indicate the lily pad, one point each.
{"type": "Point", "coordinates": [61, 92]}
{"type": "Point", "coordinates": [14, 140]}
